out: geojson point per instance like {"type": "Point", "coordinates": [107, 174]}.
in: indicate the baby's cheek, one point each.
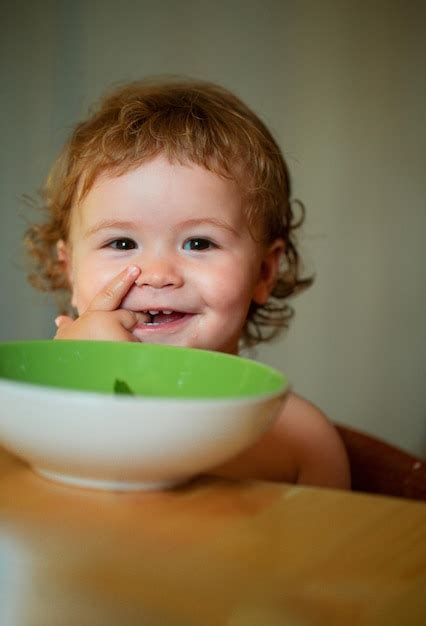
{"type": "Point", "coordinates": [230, 290]}
{"type": "Point", "coordinates": [87, 284]}
{"type": "Point", "coordinates": [81, 299]}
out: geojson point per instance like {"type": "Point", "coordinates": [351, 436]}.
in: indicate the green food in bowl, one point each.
{"type": "Point", "coordinates": [134, 368]}
{"type": "Point", "coordinates": [122, 387]}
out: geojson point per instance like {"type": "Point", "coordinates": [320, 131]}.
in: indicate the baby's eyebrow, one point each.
{"type": "Point", "coordinates": [208, 221]}
{"type": "Point", "coordinates": [104, 224]}
{"type": "Point", "coordinates": [129, 225]}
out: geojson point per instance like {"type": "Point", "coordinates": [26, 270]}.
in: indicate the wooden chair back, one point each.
{"type": "Point", "coordinates": [379, 467]}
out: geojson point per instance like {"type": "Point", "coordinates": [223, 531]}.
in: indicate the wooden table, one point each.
{"type": "Point", "coordinates": [212, 553]}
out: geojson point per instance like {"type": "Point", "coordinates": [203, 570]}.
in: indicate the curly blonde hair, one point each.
{"type": "Point", "coordinates": [188, 121]}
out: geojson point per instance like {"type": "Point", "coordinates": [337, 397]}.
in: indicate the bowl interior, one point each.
{"type": "Point", "coordinates": [135, 368]}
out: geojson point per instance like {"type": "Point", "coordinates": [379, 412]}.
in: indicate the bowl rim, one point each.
{"type": "Point", "coordinates": [58, 393]}
{"type": "Point", "coordinates": [45, 389]}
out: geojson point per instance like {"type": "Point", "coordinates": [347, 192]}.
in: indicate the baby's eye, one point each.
{"type": "Point", "coordinates": [198, 244]}
{"type": "Point", "coordinates": [122, 244]}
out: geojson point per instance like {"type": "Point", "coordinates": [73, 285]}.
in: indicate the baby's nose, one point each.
{"type": "Point", "coordinates": [159, 273]}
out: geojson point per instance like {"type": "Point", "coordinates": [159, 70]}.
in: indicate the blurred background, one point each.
{"type": "Point", "coordinates": [341, 85]}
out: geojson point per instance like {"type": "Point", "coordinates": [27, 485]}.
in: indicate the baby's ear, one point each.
{"type": "Point", "coordinates": [268, 272]}
{"type": "Point", "coordinates": [64, 255]}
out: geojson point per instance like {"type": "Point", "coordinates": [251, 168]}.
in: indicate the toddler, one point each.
{"type": "Point", "coordinates": [169, 221]}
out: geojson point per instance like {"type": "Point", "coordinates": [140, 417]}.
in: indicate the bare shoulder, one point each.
{"type": "Point", "coordinates": [302, 446]}
{"type": "Point", "coordinates": [319, 452]}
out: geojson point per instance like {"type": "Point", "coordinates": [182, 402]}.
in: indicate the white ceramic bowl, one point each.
{"type": "Point", "coordinates": [198, 409]}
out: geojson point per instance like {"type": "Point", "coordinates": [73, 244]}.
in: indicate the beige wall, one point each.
{"type": "Point", "coordinates": [341, 85]}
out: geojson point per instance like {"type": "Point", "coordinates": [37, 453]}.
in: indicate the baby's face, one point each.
{"type": "Point", "coordinates": [186, 229]}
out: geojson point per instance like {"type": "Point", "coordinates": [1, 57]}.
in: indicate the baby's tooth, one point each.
{"type": "Point", "coordinates": [153, 312]}
{"type": "Point", "coordinates": [167, 312]}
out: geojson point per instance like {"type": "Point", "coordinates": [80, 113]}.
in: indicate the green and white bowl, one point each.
{"type": "Point", "coordinates": [128, 416]}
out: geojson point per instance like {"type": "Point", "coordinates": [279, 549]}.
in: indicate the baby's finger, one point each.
{"type": "Point", "coordinates": [130, 319]}
{"type": "Point", "coordinates": [109, 298]}
{"type": "Point", "coordinates": [63, 320]}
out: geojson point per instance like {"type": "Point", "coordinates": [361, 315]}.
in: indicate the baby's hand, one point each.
{"type": "Point", "coordinates": [103, 320]}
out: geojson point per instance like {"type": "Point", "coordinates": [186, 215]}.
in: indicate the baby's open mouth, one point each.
{"type": "Point", "coordinates": [155, 318]}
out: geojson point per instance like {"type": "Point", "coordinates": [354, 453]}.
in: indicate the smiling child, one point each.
{"type": "Point", "coordinates": [169, 221]}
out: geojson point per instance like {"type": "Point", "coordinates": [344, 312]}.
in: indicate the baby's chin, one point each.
{"type": "Point", "coordinates": [163, 341]}
{"type": "Point", "coordinates": [185, 343]}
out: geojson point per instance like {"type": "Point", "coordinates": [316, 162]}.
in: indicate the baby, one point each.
{"type": "Point", "coordinates": [169, 221]}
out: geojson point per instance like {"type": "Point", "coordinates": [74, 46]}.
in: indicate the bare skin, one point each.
{"type": "Point", "coordinates": [104, 320]}
{"type": "Point", "coordinates": [301, 447]}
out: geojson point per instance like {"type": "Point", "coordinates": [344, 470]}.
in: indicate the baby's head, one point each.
{"type": "Point", "coordinates": [184, 123]}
